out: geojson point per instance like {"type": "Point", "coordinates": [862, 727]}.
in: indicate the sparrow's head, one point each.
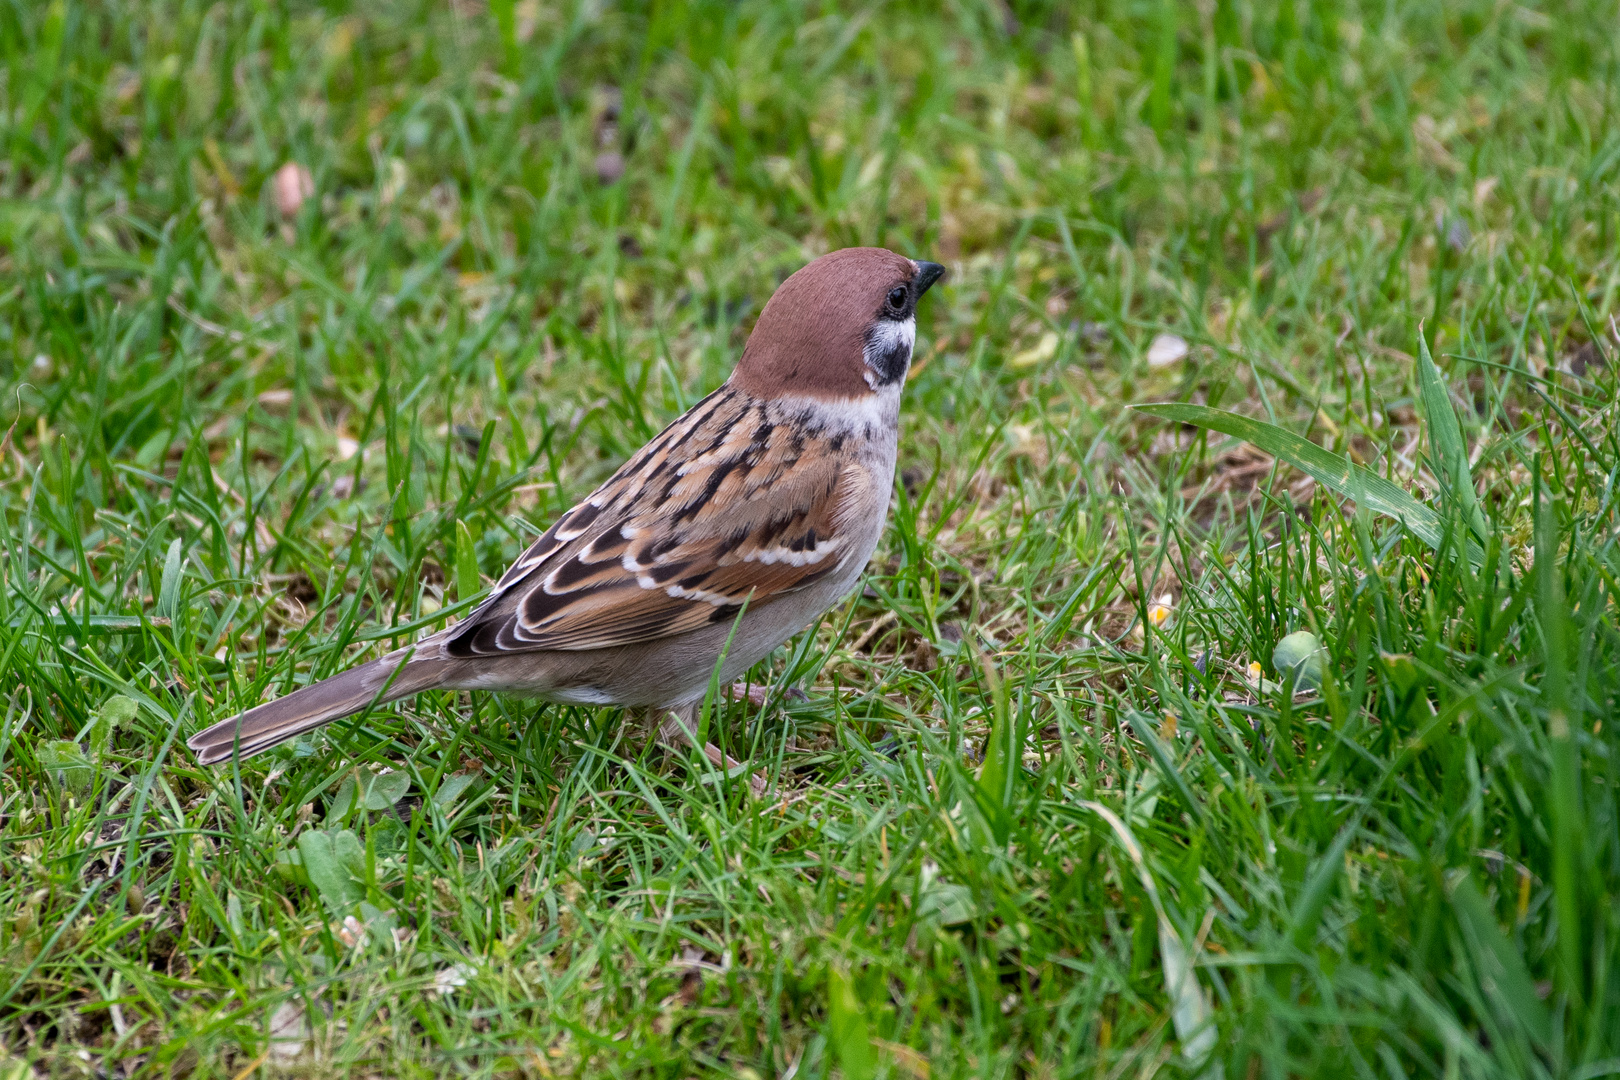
{"type": "Point", "coordinates": [841, 327]}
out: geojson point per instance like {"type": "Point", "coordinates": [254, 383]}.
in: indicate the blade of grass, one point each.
{"type": "Point", "coordinates": [1446, 440]}
{"type": "Point", "coordinates": [1191, 1011]}
{"type": "Point", "coordinates": [1340, 475]}
{"type": "Point", "coordinates": [1564, 792]}
{"type": "Point", "coordinates": [1508, 979]}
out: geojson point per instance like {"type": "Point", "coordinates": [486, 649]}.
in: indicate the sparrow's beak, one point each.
{"type": "Point", "coordinates": [927, 274]}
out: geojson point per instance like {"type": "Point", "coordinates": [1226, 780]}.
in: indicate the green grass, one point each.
{"type": "Point", "coordinates": [1018, 801]}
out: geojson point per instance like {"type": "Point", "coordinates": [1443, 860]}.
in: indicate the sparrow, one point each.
{"type": "Point", "coordinates": [743, 522]}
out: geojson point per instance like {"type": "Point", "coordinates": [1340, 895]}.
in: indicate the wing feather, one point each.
{"type": "Point", "coordinates": [727, 505]}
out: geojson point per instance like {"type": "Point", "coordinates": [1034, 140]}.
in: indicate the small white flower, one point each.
{"type": "Point", "coordinates": [447, 980]}
{"type": "Point", "coordinates": [1166, 350]}
{"type": "Point", "coordinates": [352, 933]}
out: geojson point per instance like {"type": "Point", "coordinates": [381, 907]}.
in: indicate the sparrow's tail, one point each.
{"type": "Point", "coordinates": [274, 722]}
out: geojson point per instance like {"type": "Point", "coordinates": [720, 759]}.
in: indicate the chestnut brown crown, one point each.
{"type": "Point", "coordinates": [812, 338]}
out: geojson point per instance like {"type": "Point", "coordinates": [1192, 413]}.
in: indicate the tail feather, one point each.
{"type": "Point", "coordinates": [287, 717]}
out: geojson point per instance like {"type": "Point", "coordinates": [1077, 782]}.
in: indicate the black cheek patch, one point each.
{"type": "Point", "coordinates": [890, 365]}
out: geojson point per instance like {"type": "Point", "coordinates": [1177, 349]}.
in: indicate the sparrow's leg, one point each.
{"type": "Point", "coordinates": [643, 723]}
{"type": "Point", "coordinates": [680, 725]}
{"type": "Point", "coordinates": [755, 693]}
{"type": "Point", "coordinates": [758, 693]}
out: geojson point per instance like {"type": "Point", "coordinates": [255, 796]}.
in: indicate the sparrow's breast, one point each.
{"type": "Point", "coordinates": [862, 435]}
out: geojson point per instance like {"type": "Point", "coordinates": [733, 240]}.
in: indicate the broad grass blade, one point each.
{"type": "Point", "coordinates": [468, 583]}
{"type": "Point", "coordinates": [848, 1033]}
{"type": "Point", "coordinates": [1001, 757]}
{"type": "Point", "coordinates": [1564, 783]}
{"type": "Point", "coordinates": [1446, 440]}
{"type": "Point", "coordinates": [1338, 474]}
{"type": "Point", "coordinates": [1506, 977]}
{"type": "Point", "coordinates": [1318, 888]}
{"type": "Point", "coordinates": [169, 587]}
{"type": "Point", "coordinates": [1190, 1008]}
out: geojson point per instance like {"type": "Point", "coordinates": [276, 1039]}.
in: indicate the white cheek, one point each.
{"type": "Point", "coordinates": [887, 335]}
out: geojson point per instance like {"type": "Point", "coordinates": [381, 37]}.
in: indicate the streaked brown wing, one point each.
{"type": "Point", "coordinates": [724, 506]}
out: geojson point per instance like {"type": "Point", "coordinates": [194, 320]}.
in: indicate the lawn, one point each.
{"type": "Point", "coordinates": [311, 317]}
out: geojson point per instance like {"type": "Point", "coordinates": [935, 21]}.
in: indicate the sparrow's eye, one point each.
{"type": "Point", "coordinates": [897, 298]}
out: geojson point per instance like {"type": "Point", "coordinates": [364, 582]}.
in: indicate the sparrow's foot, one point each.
{"type": "Point", "coordinates": [757, 695]}
{"type": "Point", "coordinates": [679, 727]}
{"type": "Point", "coordinates": [756, 782]}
